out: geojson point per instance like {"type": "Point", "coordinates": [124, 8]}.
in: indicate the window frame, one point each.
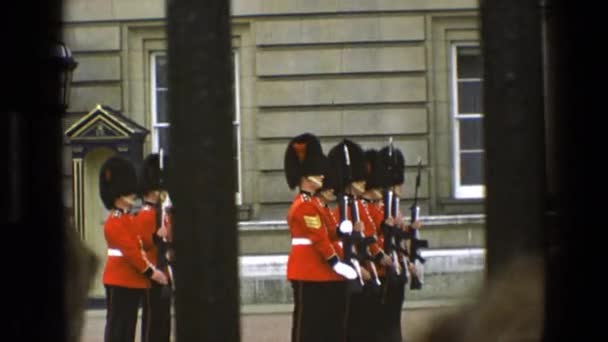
{"type": "Point", "coordinates": [236, 122]}
{"type": "Point", "coordinates": [461, 191]}
{"type": "Point", "coordinates": [155, 125]}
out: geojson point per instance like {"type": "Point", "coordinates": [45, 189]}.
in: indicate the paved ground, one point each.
{"type": "Point", "coordinates": [273, 322]}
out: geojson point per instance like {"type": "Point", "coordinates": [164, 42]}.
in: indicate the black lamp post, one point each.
{"type": "Point", "coordinates": [64, 64]}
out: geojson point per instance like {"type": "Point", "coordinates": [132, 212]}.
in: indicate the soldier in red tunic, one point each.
{"type": "Point", "coordinates": [323, 197]}
{"type": "Point", "coordinates": [347, 158]}
{"type": "Point", "coordinates": [127, 271]}
{"type": "Point", "coordinates": [388, 263]}
{"type": "Point", "coordinates": [314, 269]}
{"type": "Point", "coordinates": [157, 304]}
{"type": "Point", "coordinates": [392, 171]}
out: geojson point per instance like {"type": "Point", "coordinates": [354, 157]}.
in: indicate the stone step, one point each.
{"type": "Point", "coordinates": [449, 274]}
{"type": "Point", "coordinates": [451, 231]}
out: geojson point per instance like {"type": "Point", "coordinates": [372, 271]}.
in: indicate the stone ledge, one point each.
{"type": "Point", "coordinates": [432, 220]}
{"type": "Point", "coordinates": [437, 261]}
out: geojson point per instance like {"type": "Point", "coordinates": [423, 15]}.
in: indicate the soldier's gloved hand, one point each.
{"type": "Point", "coordinates": [159, 277]}
{"type": "Point", "coordinates": [345, 270]}
{"type": "Point", "coordinates": [359, 227]}
{"type": "Point", "coordinates": [346, 227]}
{"type": "Point", "coordinates": [162, 232]}
{"type": "Point", "coordinates": [390, 221]}
{"type": "Point", "coordinates": [365, 274]}
{"type": "Point", "coordinates": [386, 261]}
{"type": "Point", "coordinates": [416, 224]}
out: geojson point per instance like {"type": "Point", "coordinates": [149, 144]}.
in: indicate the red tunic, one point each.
{"type": "Point", "coordinates": [370, 226]}
{"type": "Point", "coordinates": [331, 222]}
{"type": "Point", "coordinates": [376, 213]}
{"type": "Point", "coordinates": [308, 261]}
{"type": "Point", "coordinates": [123, 237]}
{"type": "Point", "coordinates": [146, 221]}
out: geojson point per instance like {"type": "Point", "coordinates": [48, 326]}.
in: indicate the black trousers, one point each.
{"type": "Point", "coordinates": [390, 308]}
{"type": "Point", "coordinates": [121, 315]}
{"type": "Point", "coordinates": [364, 315]}
{"type": "Point", "coordinates": [319, 312]}
{"type": "Point", "coordinates": [157, 314]}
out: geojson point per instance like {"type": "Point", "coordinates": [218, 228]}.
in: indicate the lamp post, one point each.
{"type": "Point", "coordinates": [63, 63]}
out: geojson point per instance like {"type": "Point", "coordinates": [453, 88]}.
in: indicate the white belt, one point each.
{"type": "Point", "coordinates": [114, 252]}
{"type": "Point", "coordinates": [300, 242]}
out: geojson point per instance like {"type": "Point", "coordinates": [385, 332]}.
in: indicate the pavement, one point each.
{"type": "Point", "coordinates": [272, 323]}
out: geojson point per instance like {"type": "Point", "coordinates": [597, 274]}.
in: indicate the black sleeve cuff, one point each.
{"type": "Point", "coordinates": [333, 260]}
{"type": "Point", "coordinates": [157, 240]}
{"type": "Point", "coordinates": [339, 233]}
{"type": "Point", "coordinates": [149, 272]}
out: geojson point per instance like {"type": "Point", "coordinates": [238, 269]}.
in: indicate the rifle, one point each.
{"type": "Point", "coordinates": [348, 239]}
{"type": "Point", "coordinates": [401, 237]}
{"type": "Point", "coordinates": [164, 245]}
{"type": "Point", "coordinates": [416, 243]}
{"type": "Point", "coordinates": [363, 243]}
{"type": "Point", "coordinates": [398, 270]}
{"type": "Point", "coordinates": [164, 248]}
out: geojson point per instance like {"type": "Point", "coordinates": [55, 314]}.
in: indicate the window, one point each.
{"type": "Point", "coordinates": [236, 124]}
{"type": "Point", "coordinates": [159, 103]}
{"type": "Point", "coordinates": [160, 115]}
{"type": "Point", "coordinates": [467, 121]}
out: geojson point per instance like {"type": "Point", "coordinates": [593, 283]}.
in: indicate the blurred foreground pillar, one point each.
{"type": "Point", "coordinates": [202, 178]}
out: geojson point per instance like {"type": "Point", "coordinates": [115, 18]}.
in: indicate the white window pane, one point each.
{"type": "Point", "coordinates": [471, 133]}
{"type": "Point", "coordinates": [162, 106]}
{"type": "Point", "coordinates": [471, 168]}
{"type": "Point", "coordinates": [469, 62]}
{"type": "Point", "coordinates": [161, 71]}
{"type": "Point", "coordinates": [163, 139]}
{"type": "Point", "coordinates": [469, 97]}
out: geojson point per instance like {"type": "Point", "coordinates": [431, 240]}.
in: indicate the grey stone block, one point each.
{"type": "Point", "coordinates": [454, 236]}
{"type": "Point", "coordinates": [87, 10]}
{"type": "Point", "coordinates": [84, 99]}
{"type": "Point", "coordinates": [290, 124]}
{"type": "Point", "coordinates": [274, 7]}
{"type": "Point", "coordinates": [264, 242]}
{"type": "Point", "coordinates": [385, 121]}
{"type": "Point", "coordinates": [273, 188]}
{"type": "Point", "coordinates": [351, 90]}
{"type": "Point", "coordinates": [139, 9]}
{"type": "Point", "coordinates": [92, 38]}
{"type": "Point", "coordinates": [97, 68]}
{"type": "Point", "coordinates": [98, 10]}
{"type": "Point", "coordinates": [340, 30]}
{"type": "Point", "coordinates": [331, 60]}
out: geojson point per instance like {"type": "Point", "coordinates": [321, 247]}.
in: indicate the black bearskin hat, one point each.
{"type": "Point", "coordinates": [347, 174]}
{"type": "Point", "coordinates": [372, 172]}
{"type": "Point", "coordinates": [151, 176]}
{"type": "Point", "coordinates": [392, 166]}
{"type": "Point", "coordinates": [330, 181]}
{"type": "Point", "coordinates": [303, 157]}
{"type": "Point", "coordinates": [117, 177]}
